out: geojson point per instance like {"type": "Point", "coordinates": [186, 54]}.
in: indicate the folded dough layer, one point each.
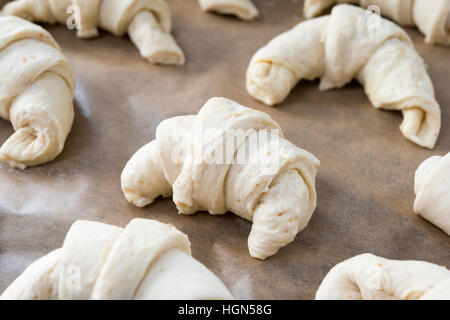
{"type": "Point", "coordinates": [146, 260]}
{"type": "Point", "coordinates": [368, 277]}
{"type": "Point", "coordinates": [148, 22]}
{"type": "Point", "coordinates": [243, 9]}
{"type": "Point", "coordinates": [431, 17]}
{"type": "Point", "coordinates": [343, 46]}
{"type": "Point", "coordinates": [432, 188]}
{"type": "Point", "coordinates": [264, 179]}
{"type": "Point", "coordinates": [36, 94]}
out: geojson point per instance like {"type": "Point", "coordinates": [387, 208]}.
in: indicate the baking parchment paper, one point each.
{"type": "Point", "coordinates": [364, 184]}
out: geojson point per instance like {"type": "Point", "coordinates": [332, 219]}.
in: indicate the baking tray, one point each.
{"type": "Point", "coordinates": [364, 183]}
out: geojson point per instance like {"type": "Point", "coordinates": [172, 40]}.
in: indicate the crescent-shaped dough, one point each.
{"type": "Point", "coordinates": [36, 93]}
{"type": "Point", "coordinates": [343, 46]}
{"type": "Point", "coordinates": [431, 17]}
{"type": "Point", "coordinates": [368, 277]}
{"type": "Point", "coordinates": [219, 161]}
{"type": "Point", "coordinates": [147, 22]}
{"type": "Point", "coordinates": [146, 260]}
{"type": "Point", "coordinates": [432, 188]}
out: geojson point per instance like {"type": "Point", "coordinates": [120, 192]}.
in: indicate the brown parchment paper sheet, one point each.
{"type": "Point", "coordinates": [364, 184]}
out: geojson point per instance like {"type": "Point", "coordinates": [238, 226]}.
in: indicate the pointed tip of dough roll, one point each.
{"type": "Point", "coordinates": [142, 180]}
{"type": "Point", "coordinates": [137, 199]}
{"type": "Point", "coordinates": [259, 254]}
{"type": "Point", "coordinates": [154, 44]}
{"type": "Point", "coordinates": [422, 125]}
{"type": "Point", "coordinates": [11, 162]}
{"type": "Point", "coordinates": [242, 9]}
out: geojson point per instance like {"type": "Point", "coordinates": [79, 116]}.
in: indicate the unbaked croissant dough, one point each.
{"type": "Point", "coordinates": [147, 22]}
{"type": "Point", "coordinates": [36, 93]}
{"type": "Point", "coordinates": [432, 188]}
{"type": "Point", "coordinates": [343, 46]}
{"type": "Point", "coordinates": [243, 9]}
{"type": "Point", "coordinates": [431, 17]}
{"type": "Point", "coordinates": [368, 277]}
{"type": "Point", "coordinates": [146, 260]}
{"type": "Point", "coordinates": [271, 183]}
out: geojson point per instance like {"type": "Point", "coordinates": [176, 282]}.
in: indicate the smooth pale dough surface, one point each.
{"type": "Point", "coordinates": [431, 17]}
{"type": "Point", "coordinates": [432, 188]}
{"type": "Point", "coordinates": [340, 47]}
{"type": "Point", "coordinates": [36, 93]}
{"type": "Point", "coordinates": [243, 9]}
{"type": "Point", "coordinates": [147, 22]}
{"type": "Point", "coordinates": [368, 277]}
{"type": "Point", "coordinates": [145, 260]}
{"type": "Point", "coordinates": [271, 183]}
